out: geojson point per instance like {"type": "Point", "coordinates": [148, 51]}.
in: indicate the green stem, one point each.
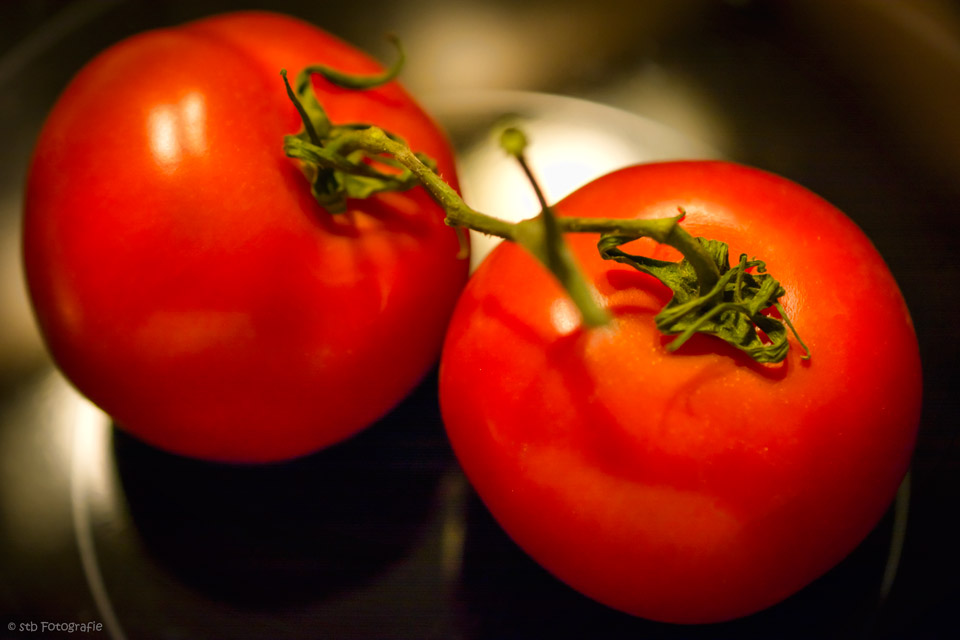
{"type": "Point", "coordinates": [664, 230]}
{"type": "Point", "coordinates": [542, 236]}
{"type": "Point", "coordinates": [546, 246]}
{"type": "Point", "coordinates": [304, 117]}
{"type": "Point", "coordinates": [374, 140]}
{"type": "Point", "coordinates": [709, 297]}
{"type": "Point", "coordinates": [358, 82]}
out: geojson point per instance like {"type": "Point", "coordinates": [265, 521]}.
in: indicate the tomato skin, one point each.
{"type": "Point", "coordinates": [695, 486]}
{"type": "Point", "coordinates": [181, 273]}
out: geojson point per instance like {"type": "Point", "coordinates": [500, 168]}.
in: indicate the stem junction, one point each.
{"type": "Point", "coordinates": [709, 295]}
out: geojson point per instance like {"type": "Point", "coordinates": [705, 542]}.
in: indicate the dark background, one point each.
{"type": "Point", "coordinates": [381, 537]}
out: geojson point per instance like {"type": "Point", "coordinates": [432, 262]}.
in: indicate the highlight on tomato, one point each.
{"type": "Point", "coordinates": [216, 297]}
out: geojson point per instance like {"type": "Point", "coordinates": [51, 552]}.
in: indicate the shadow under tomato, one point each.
{"type": "Point", "coordinates": [504, 594]}
{"type": "Point", "coordinates": [274, 535]}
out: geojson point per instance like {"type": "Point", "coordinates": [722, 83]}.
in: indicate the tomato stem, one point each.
{"type": "Point", "coordinates": [542, 236]}
{"type": "Point", "coordinates": [709, 296]}
{"type": "Point", "coordinates": [664, 230]}
{"type": "Point", "coordinates": [361, 82]}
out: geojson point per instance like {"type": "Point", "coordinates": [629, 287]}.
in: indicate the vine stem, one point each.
{"type": "Point", "coordinates": [360, 160]}
{"type": "Point", "coordinates": [542, 235]}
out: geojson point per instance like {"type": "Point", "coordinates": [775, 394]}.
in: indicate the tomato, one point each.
{"type": "Point", "coordinates": [697, 485]}
{"type": "Point", "coordinates": [184, 278]}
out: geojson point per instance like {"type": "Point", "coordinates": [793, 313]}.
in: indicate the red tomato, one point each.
{"type": "Point", "coordinates": [184, 278]}
{"type": "Point", "coordinates": [694, 486]}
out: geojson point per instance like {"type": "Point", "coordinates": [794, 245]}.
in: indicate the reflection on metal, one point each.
{"type": "Point", "coordinates": [454, 490]}
{"type": "Point", "coordinates": [20, 346]}
{"type": "Point", "coordinates": [673, 98]}
{"type": "Point", "coordinates": [901, 509]}
{"type": "Point", "coordinates": [90, 487]}
{"type": "Point", "coordinates": [34, 448]}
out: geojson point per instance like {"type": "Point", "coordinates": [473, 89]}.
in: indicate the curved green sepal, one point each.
{"type": "Point", "coordinates": [732, 310]}
{"type": "Point", "coordinates": [362, 82]}
{"type": "Point", "coordinates": [336, 165]}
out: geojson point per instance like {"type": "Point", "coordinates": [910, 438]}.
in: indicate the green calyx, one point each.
{"type": "Point", "coordinates": [730, 308]}
{"type": "Point", "coordinates": [336, 169]}
{"type": "Point", "coordinates": [709, 296]}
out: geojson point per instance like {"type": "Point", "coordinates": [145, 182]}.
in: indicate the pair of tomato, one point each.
{"type": "Point", "coordinates": [186, 282]}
